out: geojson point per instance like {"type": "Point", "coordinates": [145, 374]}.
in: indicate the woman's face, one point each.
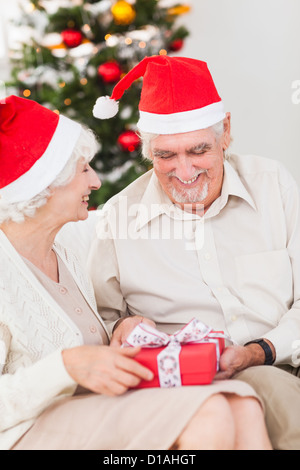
{"type": "Point", "coordinates": [70, 202]}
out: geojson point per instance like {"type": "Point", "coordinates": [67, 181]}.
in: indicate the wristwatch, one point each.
{"type": "Point", "coordinates": [269, 360]}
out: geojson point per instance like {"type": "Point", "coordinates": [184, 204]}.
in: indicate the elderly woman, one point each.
{"type": "Point", "coordinates": [62, 386]}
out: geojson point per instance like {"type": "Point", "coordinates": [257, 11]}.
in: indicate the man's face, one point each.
{"type": "Point", "coordinates": [189, 166]}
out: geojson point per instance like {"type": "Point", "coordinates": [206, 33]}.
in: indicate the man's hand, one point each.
{"type": "Point", "coordinates": [106, 370]}
{"type": "Point", "coordinates": [125, 326]}
{"type": "Point", "coordinates": [237, 358]}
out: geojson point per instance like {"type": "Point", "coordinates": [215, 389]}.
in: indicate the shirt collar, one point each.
{"type": "Point", "coordinates": [155, 201]}
{"type": "Point", "coordinates": [233, 186]}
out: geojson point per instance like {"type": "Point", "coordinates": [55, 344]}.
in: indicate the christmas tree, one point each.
{"type": "Point", "coordinates": [73, 51]}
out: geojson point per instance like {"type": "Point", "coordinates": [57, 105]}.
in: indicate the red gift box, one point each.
{"type": "Point", "coordinates": [198, 363]}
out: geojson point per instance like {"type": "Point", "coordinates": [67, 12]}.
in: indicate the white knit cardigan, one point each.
{"type": "Point", "coordinates": [33, 332]}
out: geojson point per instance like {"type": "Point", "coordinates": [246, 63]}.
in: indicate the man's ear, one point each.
{"type": "Point", "coordinates": [227, 131]}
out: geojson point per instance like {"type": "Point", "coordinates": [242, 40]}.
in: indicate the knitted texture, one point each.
{"type": "Point", "coordinates": [33, 331]}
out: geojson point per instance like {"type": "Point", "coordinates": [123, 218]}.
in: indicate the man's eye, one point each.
{"type": "Point", "coordinates": [165, 157]}
{"type": "Point", "coordinates": [197, 152]}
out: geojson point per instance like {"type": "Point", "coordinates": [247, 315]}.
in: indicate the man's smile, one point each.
{"type": "Point", "coordinates": [191, 180]}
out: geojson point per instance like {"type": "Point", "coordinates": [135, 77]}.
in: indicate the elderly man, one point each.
{"type": "Point", "coordinates": [205, 235]}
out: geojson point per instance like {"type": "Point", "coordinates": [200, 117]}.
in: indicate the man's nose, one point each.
{"type": "Point", "coordinates": [185, 168]}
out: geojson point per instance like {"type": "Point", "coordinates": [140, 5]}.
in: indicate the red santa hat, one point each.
{"type": "Point", "coordinates": [35, 145]}
{"type": "Point", "coordinates": [178, 95]}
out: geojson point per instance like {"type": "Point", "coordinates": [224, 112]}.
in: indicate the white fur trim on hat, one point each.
{"type": "Point", "coordinates": [48, 166]}
{"type": "Point", "coordinates": [105, 108]}
{"type": "Point", "coordinates": [186, 121]}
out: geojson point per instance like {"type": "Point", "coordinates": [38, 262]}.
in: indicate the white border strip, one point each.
{"type": "Point", "coordinates": [48, 166]}
{"type": "Point", "coordinates": [186, 121]}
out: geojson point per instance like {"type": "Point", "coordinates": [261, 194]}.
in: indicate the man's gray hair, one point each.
{"type": "Point", "coordinates": [147, 137]}
{"type": "Point", "coordinates": [85, 148]}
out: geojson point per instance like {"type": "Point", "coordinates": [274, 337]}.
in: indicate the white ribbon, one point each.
{"type": "Point", "coordinates": [168, 359]}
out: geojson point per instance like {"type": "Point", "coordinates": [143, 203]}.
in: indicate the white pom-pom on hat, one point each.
{"type": "Point", "coordinates": [105, 108]}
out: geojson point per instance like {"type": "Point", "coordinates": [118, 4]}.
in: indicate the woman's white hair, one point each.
{"type": "Point", "coordinates": [86, 147]}
{"type": "Point", "coordinates": [147, 137]}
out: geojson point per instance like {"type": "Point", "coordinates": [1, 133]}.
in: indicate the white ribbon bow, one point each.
{"type": "Point", "coordinates": [168, 359]}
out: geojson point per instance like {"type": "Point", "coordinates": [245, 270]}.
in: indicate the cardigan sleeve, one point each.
{"type": "Point", "coordinates": [31, 389]}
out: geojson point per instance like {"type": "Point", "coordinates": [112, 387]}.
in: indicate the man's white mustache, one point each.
{"type": "Point", "coordinates": [191, 180]}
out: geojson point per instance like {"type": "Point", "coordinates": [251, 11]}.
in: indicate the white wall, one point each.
{"type": "Point", "coordinates": [252, 48]}
{"type": "Point", "coordinates": [8, 9]}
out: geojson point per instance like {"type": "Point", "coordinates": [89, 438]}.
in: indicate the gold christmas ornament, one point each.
{"type": "Point", "coordinates": [179, 10]}
{"type": "Point", "coordinates": [123, 12]}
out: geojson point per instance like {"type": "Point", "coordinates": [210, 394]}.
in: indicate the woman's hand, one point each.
{"type": "Point", "coordinates": [125, 326]}
{"type": "Point", "coordinates": [106, 370]}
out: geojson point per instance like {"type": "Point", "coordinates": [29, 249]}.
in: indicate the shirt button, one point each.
{"type": "Point", "coordinates": [63, 290]}
{"type": "Point", "coordinates": [222, 290]}
{"type": "Point", "coordinates": [207, 256]}
{"type": "Point", "coordinates": [78, 310]}
{"type": "Point", "coordinates": [93, 329]}
{"type": "Point", "coordinates": [233, 317]}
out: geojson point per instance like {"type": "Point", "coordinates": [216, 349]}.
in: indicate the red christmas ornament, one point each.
{"type": "Point", "coordinates": [176, 45]}
{"type": "Point", "coordinates": [110, 72]}
{"type": "Point", "coordinates": [129, 141]}
{"type": "Point", "coordinates": [71, 37]}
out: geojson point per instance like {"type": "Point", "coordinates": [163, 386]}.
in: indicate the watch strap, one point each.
{"type": "Point", "coordinates": [269, 360]}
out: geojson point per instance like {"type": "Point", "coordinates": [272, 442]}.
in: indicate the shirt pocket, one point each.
{"type": "Point", "coordinates": [265, 283]}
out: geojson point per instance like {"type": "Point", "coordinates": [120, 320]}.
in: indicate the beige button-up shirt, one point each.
{"type": "Point", "coordinates": [237, 268]}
